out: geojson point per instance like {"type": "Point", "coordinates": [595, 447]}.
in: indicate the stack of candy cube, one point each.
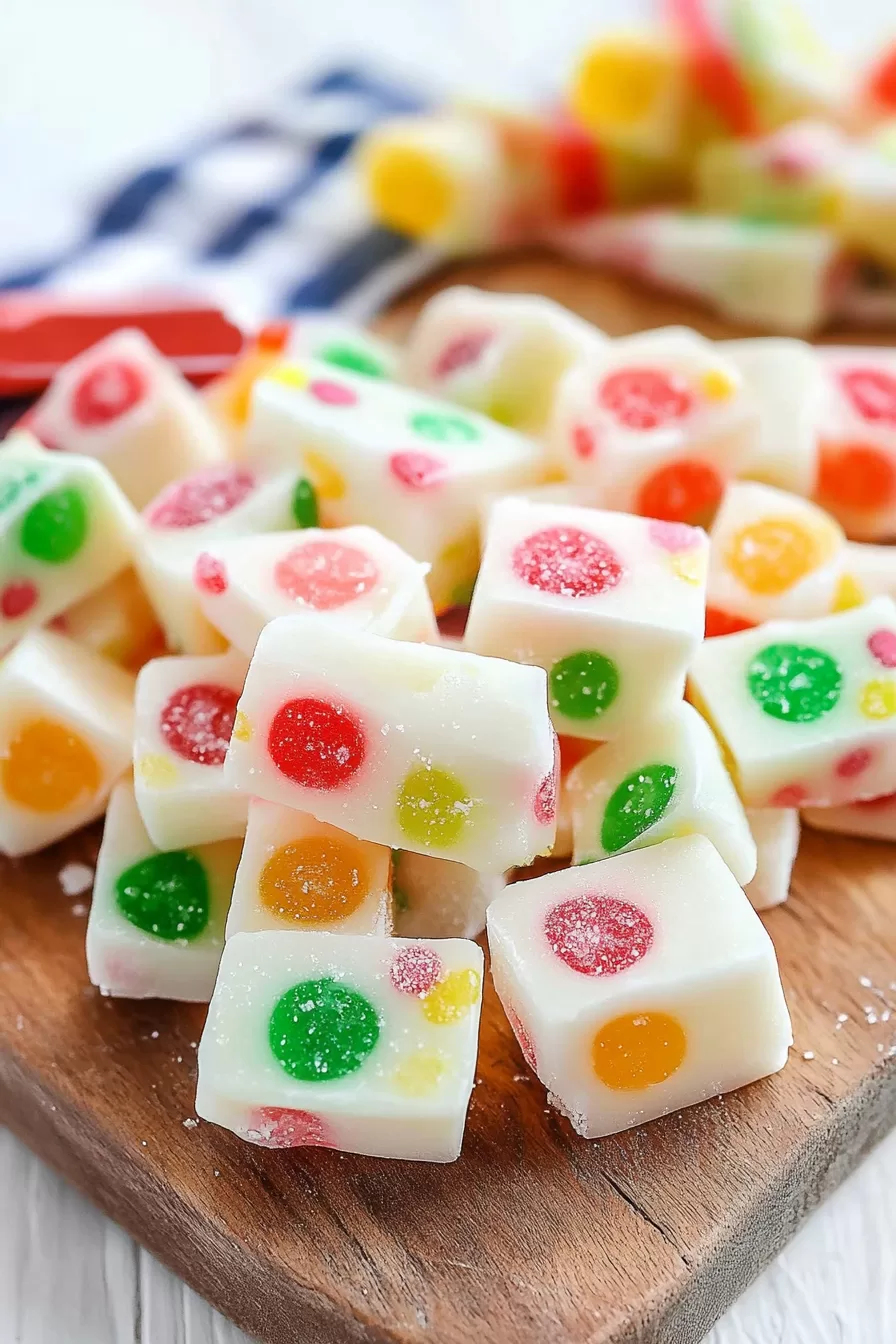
{"type": "Point", "coordinates": [220, 615]}
{"type": "Point", "coordinates": [773, 163]}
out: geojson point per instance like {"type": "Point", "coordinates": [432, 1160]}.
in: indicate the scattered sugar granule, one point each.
{"type": "Point", "coordinates": [154, 1035]}
{"type": "Point", "coordinates": [20, 1023]}
{"type": "Point", "coordinates": [75, 879]}
{"type": "Point", "coordinates": [864, 982]}
{"type": "Point", "coordinates": [79, 908]}
{"type": "Point", "coordinates": [191, 1124]}
{"type": "Point", "coordinates": [808, 1054]}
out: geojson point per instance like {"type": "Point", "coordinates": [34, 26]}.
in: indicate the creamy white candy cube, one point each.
{"type": "Point", "coordinates": [415, 468]}
{"type": "Point", "coordinates": [776, 831]}
{"type": "Point", "coordinates": [117, 621]}
{"type": "Point", "coordinates": [638, 985]}
{"type": "Point", "coordinates": [232, 500]}
{"type": "Point", "coordinates": [437, 898]}
{"type": "Point", "coordinates": [661, 779]}
{"type": "Point", "coordinates": [785, 380]}
{"type": "Point", "coordinates": [344, 1041]}
{"type": "Point", "coordinates": [655, 424]}
{"type": "Point", "coordinates": [806, 710]}
{"type": "Point", "coordinates": [66, 725]}
{"type": "Point", "coordinates": [502, 354]}
{"type": "Point", "coordinates": [772, 554]}
{"type": "Point", "coordinates": [857, 440]}
{"type": "Point", "coordinates": [122, 402]}
{"type": "Point", "coordinates": [873, 818]}
{"type": "Point", "coordinates": [65, 530]}
{"type": "Point", "coordinates": [352, 577]}
{"type": "Point", "coordinates": [409, 745]}
{"type": "Point", "coordinates": [610, 605]}
{"type": "Point", "coordinates": [156, 926]}
{"type": "Point", "coordinates": [184, 715]}
{"type": "Point", "coordinates": [301, 874]}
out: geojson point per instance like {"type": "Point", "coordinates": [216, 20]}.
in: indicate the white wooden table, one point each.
{"type": "Point", "coordinates": [91, 88]}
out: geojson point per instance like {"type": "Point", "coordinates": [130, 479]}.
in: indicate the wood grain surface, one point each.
{"type": "Point", "coordinates": [534, 1235]}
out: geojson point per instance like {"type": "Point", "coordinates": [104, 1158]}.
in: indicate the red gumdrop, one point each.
{"type": "Point", "coordinates": [789, 795]}
{"type": "Point", "coordinates": [418, 471]}
{"type": "Point", "coordinates": [882, 645]}
{"type": "Point", "coordinates": [325, 574]}
{"type": "Point", "coordinates": [197, 721]}
{"type": "Point", "coordinates": [332, 393]}
{"type": "Point", "coordinates": [724, 623]}
{"type": "Point", "coordinates": [872, 393]}
{"type": "Point", "coordinates": [598, 935]}
{"type": "Point", "coordinates": [584, 442]}
{"type": "Point", "coordinates": [567, 562]}
{"type": "Point", "coordinates": [316, 744]}
{"type": "Point", "coordinates": [415, 970]}
{"type": "Point", "coordinates": [17, 598]}
{"type": "Point", "coordinates": [673, 537]}
{"type": "Point", "coordinates": [200, 498]}
{"type": "Point", "coordinates": [107, 392]}
{"type": "Point", "coordinates": [460, 353]}
{"type": "Point", "coordinates": [853, 763]}
{"type": "Point", "coordinates": [209, 574]}
{"type": "Point", "coordinates": [685, 491]}
{"type": "Point", "coordinates": [280, 1127]}
{"type": "Point", "coordinates": [645, 398]}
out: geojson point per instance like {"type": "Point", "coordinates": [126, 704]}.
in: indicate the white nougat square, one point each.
{"type": "Point", "coordinates": [66, 726]}
{"type": "Point", "coordinates": [414, 468]}
{"type": "Point", "coordinates": [301, 874]}
{"type": "Point", "coordinates": [785, 380]}
{"type": "Point", "coordinates": [806, 710]}
{"type": "Point", "coordinates": [610, 605]}
{"type": "Point", "coordinates": [344, 1041]}
{"type": "Point", "coordinates": [639, 985]}
{"type": "Point", "coordinates": [184, 716]}
{"type": "Point", "coordinates": [776, 831]}
{"type": "Point", "coordinates": [65, 531]}
{"type": "Point", "coordinates": [409, 745]}
{"type": "Point", "coordinates": [156, 926]}
{"type": "Point", "coordinates": [352, 577]}
{"type": "Point", "coordinates": [122, 402]}
{"type": "Point", "coordinates": [659, 780]}
{"type": "Point", "coordinates": [437, 898]}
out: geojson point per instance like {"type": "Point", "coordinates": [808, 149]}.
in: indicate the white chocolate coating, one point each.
{"type": "Point", "coordinates": [180, 737]}
{"type": "Point", "coordinates": [352, 577]}
{"type": "Point", "coordinates": [122, 402]}
{"type": "Point", "coordinates": [616, 636]}
{"type": "Point", "coordinates": [66, 726]}
{"type": "Point", "coordinates": [436, 898]}
{"type": "Point", "coordinates": [127, 959]}
{"type": "Point", "coordinates": [655, 987]}
{"type": "Point", "coordinates": [663, 779]}
{"type": "Point", "coordinates": [776, 831]}
{"type": "Point", "coordinates": [301, 874]}
{"type": "Point", "coordinates": [65, 531]}
{"type": "Point", "coordinates": [409, 1077]}
{"type": "Point", "coordinates": [806, 709]}
{"type": "Point", "coordinates": [409, 745]}
{"type": "Point", "coordinates": [501, 354]}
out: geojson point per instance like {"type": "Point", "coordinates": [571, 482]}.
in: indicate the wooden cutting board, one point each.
{"type": "Point", "coordinates": [535, 1236]}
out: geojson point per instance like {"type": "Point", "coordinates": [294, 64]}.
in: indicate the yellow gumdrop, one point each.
{"type": "Point", "coordinates": [409, 189]}
{"type": "Point", "coordinates": [717, 385]}
{"type": "Point", "coordinates": [242, 728]}
{"type": "Point", "coordinates": [421, 1073]}
{"type": "Point", "coordinates": [877, 699]}
{"type": "Point", "coordinates": [619, 82]}
{"type": "Point", "coordinates": [772, 554]}
{"type": "Point", "coordinates": [327, 481]}
{"type": "Point", "coordinates": [452, 998]}
{"type": "Point", "coordinates": [157, 771]}
{"type": "Point", "coordinates": [849, 593]}
{"type": "Point", "coordinates": [689, 566]}
{"type": "Point", "coordinates": [290, 375]}
{"type": "Point", "coordinates": [47, 767]}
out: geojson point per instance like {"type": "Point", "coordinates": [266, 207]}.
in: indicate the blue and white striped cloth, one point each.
{"type": "Point", "coordinates": [265, 216]}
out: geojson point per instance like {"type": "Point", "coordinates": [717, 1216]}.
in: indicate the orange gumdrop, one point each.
{"type": "Point", "coordinates": [856, 476]}
{"type": "Point", "coordinates": [48, 767]}
{"type": "Point", "coordinates": [638, 1050]}
{"type": "Point", "coordinates": [315, 880]}
{"type": "Point", "coordinates": [720, 622]}
{"type": "Point", "coordinates": [685, 491]}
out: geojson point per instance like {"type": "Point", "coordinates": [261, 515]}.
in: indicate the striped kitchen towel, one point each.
{"type": "Point", "coordinates": [265, 216]}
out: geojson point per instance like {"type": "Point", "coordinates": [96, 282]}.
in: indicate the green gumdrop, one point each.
{"type": "Point", "coordinates": [55, 528]}
{"type": "Point", "coordinates": [637, 804]}
{"type": "Point", "coordinates": [13, 482]}
{"type": "Point", "coordinates": [321, 1030]}
{"type": "Point", "coordinates": [353, 358]}
{"type": "Point", "coordinates": [583, 684]}
{"type": "Point", "coordinates": [442, 428]}
{"type": "Point", "coordinates": [794, 682]}
{"type": "Point", "coordinates": [166, 895]}
{"type": "Point", "coordinates": [304, 504]}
